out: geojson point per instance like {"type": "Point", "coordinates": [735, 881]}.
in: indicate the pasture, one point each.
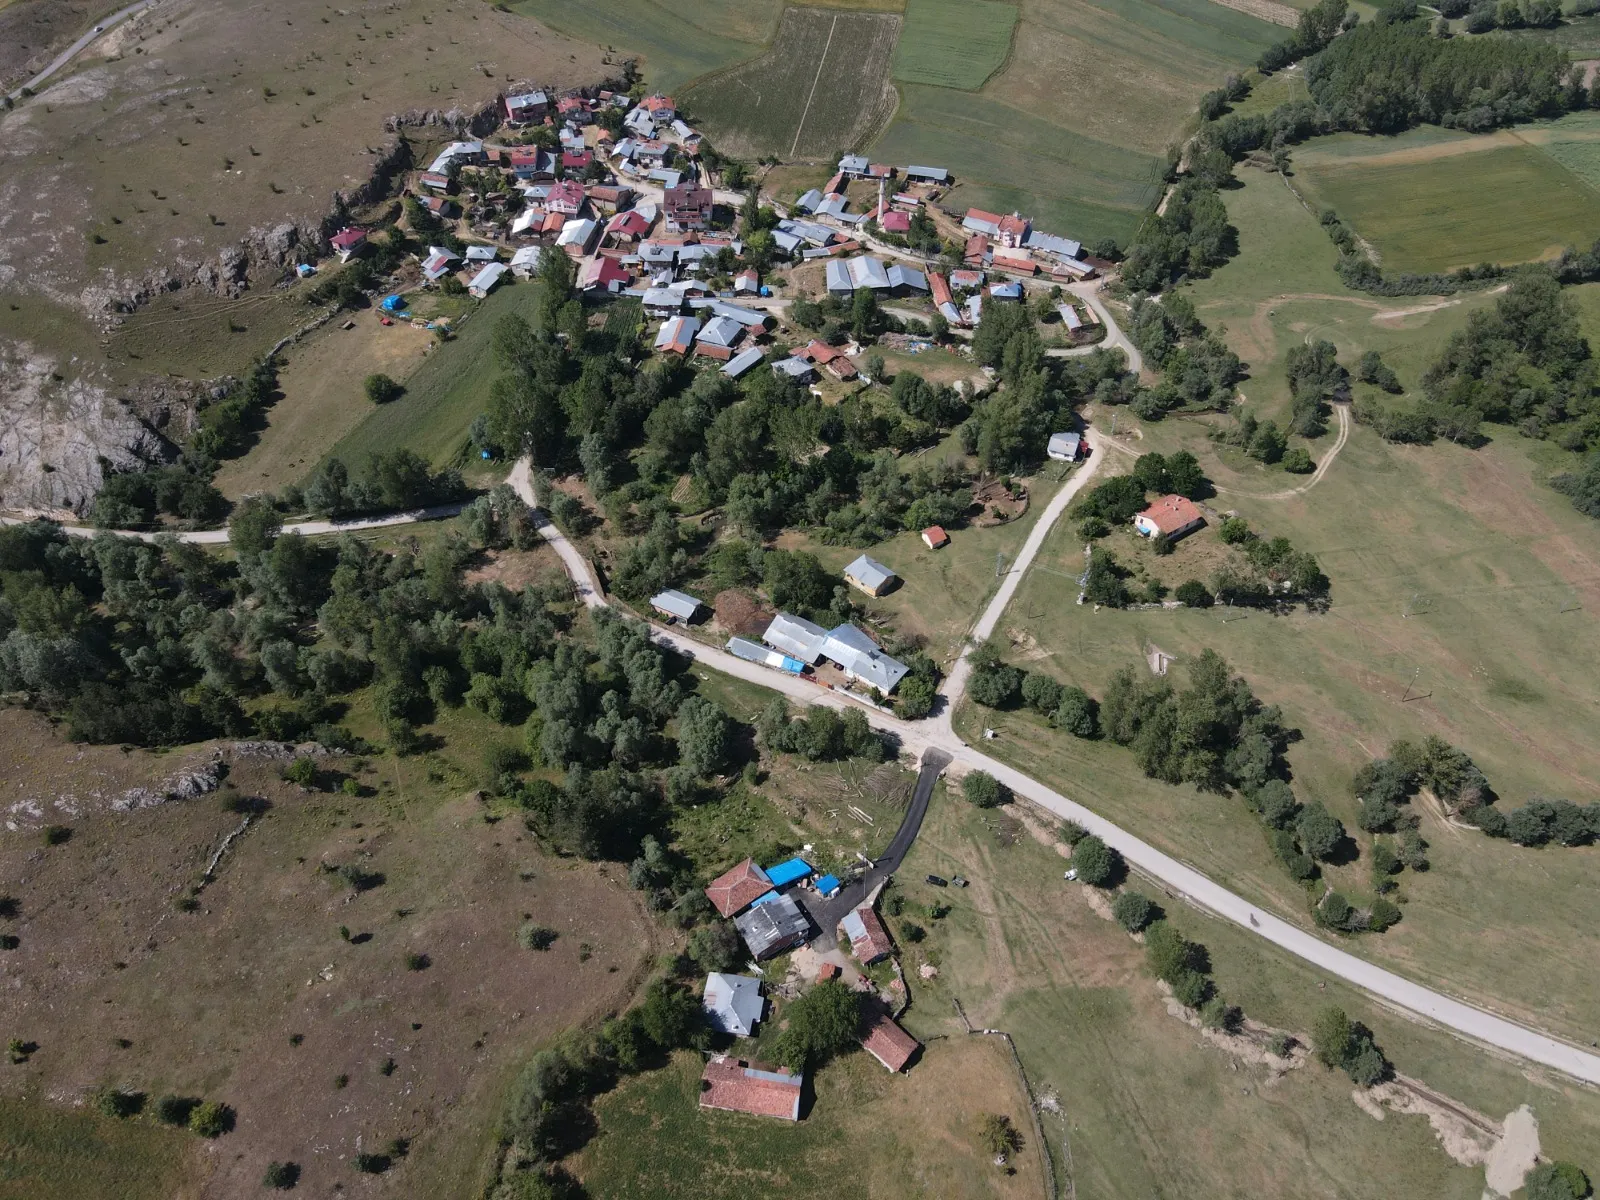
{"type": "Point", "coordinates": [1407, 200]}
{"type": "Point", "coordinates": [1006, 159]}
{"type": "Point", "coordinates": [822, 86]}
{"type": "Point", "coordinates": [954, 43]}
{"type": "Point", "coordinates": [1127, 75]}
{"type": "Point", "coordinates": [442, 395]}
{"type": "Point", "coordinates": [675, 43]}
{"type": "Point", "coordinates": [53, 1153]}
{"type": "Point", "coordinates": [1149, 1107]}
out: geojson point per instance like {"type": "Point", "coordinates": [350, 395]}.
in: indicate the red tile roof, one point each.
{"type": "Point", "coordinates": [739, 1086]}
{"type": "Point", "coordinates": [888, 1043]}
{"type": "Point", "coordinates": [940, 289]}
{"type": "Point", "coordinates": [818, 352]}
{"type": "Point", "coordinates": [732, 890]}
{"type": "Point", "coordinates": [1015, 225]}
{"type": "Point", "coordinates": [977, 214]}
{"type": "Point", "coordinates": [874, 942]}
{"type": "Point", "coordinates": [1172, 514]}
{"type": "Point", "coordinates": [348, 237]}
{"type": "Point", "coordinates": [935, 536]}
{"type": "Point", "coordinates": [657, 102]}
{"type": "Point", "coordinates": [897, 222]}
{"type": "Point", "coordinates": [828, 971]}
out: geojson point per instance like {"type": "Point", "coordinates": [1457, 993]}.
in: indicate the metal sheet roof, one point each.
{"type": "Point", "coordinates": [741, 363]}
{"type": "Point", "coordinates": [868, 571]}
{"type": "Point", "coordinates": [679, 604]}
{"type": "Point", "coordinates": [796, 635]}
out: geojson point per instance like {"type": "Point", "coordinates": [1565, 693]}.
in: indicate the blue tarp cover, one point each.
{"type": "Point", "coordinates": [788, 872]}
{"type": "Point", "coordinates": [828, 885]}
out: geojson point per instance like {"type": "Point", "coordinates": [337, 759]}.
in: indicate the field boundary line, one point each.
{"type": "Point", "coordinates": [812, 95]}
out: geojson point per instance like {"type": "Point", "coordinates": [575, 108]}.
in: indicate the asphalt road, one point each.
{"type": "Point", "coordinates": [100, 29]}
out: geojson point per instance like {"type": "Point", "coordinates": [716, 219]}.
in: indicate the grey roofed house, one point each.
{"type": "Point", "coordinates": [525, 262]}
{"type": "Point", "coordinates": [1063, 446]}
{"type": "Point", "coordinates": [907, 277]}
{"type": "Point", "coordinates": [868, 574]}
{"type": "Point", "coordinates": [817, 235]}
{"type": "Point", "coordinates": [773, 927]}
{"type": "Point", "coordinates": [675, 604]}
{"type": "Point", "coordinates": [787, 242]}
{"type": "Point", "coordinates": [974, 224]}
{"type": "Point", "coordinates": [808, 202]}
{"type": "Point", "coordinates": [658, 252]}
{"type": "Point", "coordinates": [854, 164]}
{"type": "Point", "coordinates": [660, 301]}
{"type": "Point", "coordinates": [833, 206]}
{"type": "Point", "coordinates": [481, 254]}
{"type": "Point", "coordinates": [1051, 244]}
{"type": "Point", "coordinates": [797, 369]}
{"type": "Point", "coordinates": [665, 177]}
{"type": "Point", "coordinates": [721, 331]}
{"type": "Point", "coordinates": [796, 636]}
{"type": "Point", "coordinates": [740, 363]}
{"type": "Point", "coordinates": [750, 318]}
{"type": "Point", "coordinates": [948, 311]}
{"type": "Point", "coordinates": [695, 253]}
{"type": "Point", "coordinates": [484, 281]}
{"type": "Point", "coordinates": [862, 659]}
{"type": "Point", "coordinates": [867, 272]}
{"type": "Point", "coordinates": [733, 1003]}
{"type": "Point", "coordinates": [974, 307]}
{"type": "Point", "coordinates": [927, 174]}
{"type": "Point", "coordinates": [839, 280]}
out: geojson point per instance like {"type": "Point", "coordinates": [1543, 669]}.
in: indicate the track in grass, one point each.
{"type": "Point", "coordinates": [821, 88]}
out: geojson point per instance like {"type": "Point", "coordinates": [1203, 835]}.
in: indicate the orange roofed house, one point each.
{"type": "Point", "coordinates": [733, 891]}
{"type": "Point", "coordinates": [735, 1085]}
{"type": "Point", "coordinates": [887, 1042]}
{"type": "Point", "coordinates": [1172, 516]}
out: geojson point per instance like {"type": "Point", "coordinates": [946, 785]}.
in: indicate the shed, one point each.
{"type": "Point", "coordinates": [797, 369]}
{"type": "Point", "coordinates": [1064, 446]}
{"type": "Point", "coordinates": [735, 1085]}
{"type": "Point", "coordinates": [839, 281]}
{"type": "Point", "coordinates": [789, 871]}
{"type": "Point", "coordinates": [796, 636]}
{"type": "Point", "coordinates": [741, 363]}
{"type": "Point", "coordinates": [773, 927]}
{"type": "Point", "coordinates": [934, 537]}
{"type": "Point", "coordinates": [906, 279]}
{"type": "Point", "coordinates": [676, 604]}
{"type": "Point", "coordinates": [887, 1042]}
{"type": "Point", "coordinates": [869, 940]}
{"type": "Point", "coordinates": [737, 887]}
{"type": "Point", "coordinates": [870, 575]}
{"type": "Point", "coordinates": [927, 175]}
{"type": "Point", "coordinates": [757, 653]}
{"type": "Point", "coordinates": [828, 886]}
{"type": "Point", "coordinates": [1069, 317]}
{"type": "Point", "coordinates": [733, 1003]}
{"type": "Point", "coordinates": [809, 201]}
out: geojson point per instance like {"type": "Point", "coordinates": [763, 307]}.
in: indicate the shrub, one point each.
{"type": "Point", "coordinates": [1192, 593]}
{"type": "Point", "coordinates": [118, 1102]}
{"type": "Point", "coordinates": [1383, 914]}
{"type": "Point", "coordinates": [281, 1175]}
{"type": "Point", "coordinates": [983, 790]}
{"type": "Point", "coordinates": [9, 941]}
{"type": "Point", "coordinates": [912, 932]}
{"type": "Point", "coordinates": [1557, 1181]}
{"type": "Point", "coordinates": [1133, 911]}
{"type": "Point", "coordinates": [57, 835]}
{"type": "Point", "coordinates": [1078, 713]}
{"type": "Point", "coordinates": [381, 389]}
{"type": "Point", "coordinates": [175, 1110]}
{"type": "Point", "coordinates": [1298, 462]}
{"type": "Point", "coordinates": [371, 1164]}
{"type": "Point", "coordinates": [1095, 861]}
{"type": "Point", "coordinates": [536, 937]}
{"type": "Point", "coordinates": [418, 962]}
{"type": "Point", "coordinates": [1072, 833]}
{"type": "Point", "coordinates": [210, 1119]}
{"type": "Point", "coordinates": [302, 771]}
{"type": "Point", "coordinates": [1234, 531]}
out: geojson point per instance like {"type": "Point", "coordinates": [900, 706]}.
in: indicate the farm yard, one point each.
{"type": "Point", "coordinates": [675, 43]}
{"type": "Point", "coordinates": [1432, 203]}
{"type": "Point", "coordinates": [954, 43]}
{"type": "Point", "coordinates": [822, 86]}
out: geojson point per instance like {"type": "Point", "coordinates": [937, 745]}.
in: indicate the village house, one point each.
{"type": "Point", "coordinates": [602, 273]}
{"type": "Point", "coordinates": [772, 925]}
{"type": "Point", "coordinates": [796, 369]}
{"type": "Point", "coordinates": [574, 109]}
{"type": "Point", "coordinates": [687, 206]}
{"type": "Point", "coordinates": [677, 335]}
{"type": "Point", "coordinates": [1171, 517]}
{"type": "Point", "coordinates": [439, 263]}
{"type": "Point", "coordinates": [531, 164]}
{"type": "Point", "coordinates": [525, 262]}
{"type": "Point", "coordinates": [578, 235]}
{"type": "Point", "coordinates": [736, 888]}
{"type": "Point", "coordinates": [680, 606]}
{"type": "Point", "coordinates": [566, 197]}
{"type": "Point", "coordinates": [869, 941]}
{"type": "Point", "coordinates": [732, 1003]}
{"type": "Point", "coordinates": [613, 195]}
{"type": "Point", "coordinates": [734, 1085]}
{"type": "Point", "coordinates": [439, 206]}
{"type": "Point", "coordinates": [747, 282]}
{"type": "Point", "coordinates": [926, 175]}
{"type": "Point", "coordinates": [526, 108]}
{"type": "Point", "coordinates": [856, 654]}
{"type": "Point", "coordinates": [870, 575]}
{"type": "Point", "coordinates": [576, 160]}
{"type": "Point", "coordinates": [742, 362]}
{"type": "Point", "coordinates": [435, 180]}
{"type": "Point", "coordinates": [348, 242]}
{"type": "Point", "coordinates": [481, 254]}
{"type": "Point", "coordinates": [719, 337]}
{"type": "Point", "coordinates": [660, 108]}
{"type": "Point", "coordinates": [487, 279]}
{"type": "Point", "coordinates": [1063, 447]}
{"type": "Point", "coordinates": [895, 222]}
{"type": "Point", "coordinates": [631, 225]}
{"type": "Point", "coordinates": [887, 1042]}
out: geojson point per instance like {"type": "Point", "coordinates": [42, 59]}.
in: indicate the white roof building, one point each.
{"type": "Point", "coordinates": [525, 262]}
{"type": "Point", "coordinates": [1063, 446]}
{"type": "Point", "coordinates": [796, 637]}
{"type": "Point", "coordinates": [869, 574]}
{"type": "Point", "coordinates": [733, 1003]}
{"type": "Point", "coordinates": [862, 659]}
{"type": "Point", "coordinates": [485, 280]}
{"type": "Point", "coordinates": [675, 604]}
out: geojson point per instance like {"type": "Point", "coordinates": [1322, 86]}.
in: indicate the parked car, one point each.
{"type": "Point", "coordinates": [938, 881]}
{"type": "Point", "coordinates": [958, 880]}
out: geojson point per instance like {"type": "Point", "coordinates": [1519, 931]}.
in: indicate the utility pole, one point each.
{"type": "Point", "coordinates": [1407, 694]}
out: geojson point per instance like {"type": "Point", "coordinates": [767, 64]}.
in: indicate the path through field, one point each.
{"type": "Point", "coordinates": [816, 79]}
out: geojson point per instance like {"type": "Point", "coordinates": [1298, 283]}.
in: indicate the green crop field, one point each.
{"type": "Point", "coordinates": [444, 393]}
{"type": "Point", "coordinates": [676, 43]}
{"type": "Point", "coordinates": [1433, 210]}
{"type": "Point", "coordinates": [954, 43]}
{"type": "Point", "coordinates": [1004, 159]}
{"type": "Point", "coordinates": [1125, 74]}
{"type": "Point", "coordinates": [821, 87]}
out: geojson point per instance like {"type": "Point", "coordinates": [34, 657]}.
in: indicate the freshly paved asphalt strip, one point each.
{"type": "Point", "coordinates": [99, 31]}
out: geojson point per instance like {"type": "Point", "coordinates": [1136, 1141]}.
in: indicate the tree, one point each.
{"type": "Point", "coordinates": [704, 733]}
{"type": "Point", "coordinates": [1556, 1181]}
{"type": "Point", "coordinates": [1041, 693]}
{"type": "Point", "coordinates": [211, 1119]}
{"type": "Point", "coordinates": [1096, 862]}
{"type": "Point", "coordinates": [1077, 713]}
{"type": "Point", "coordinates": [253, 526]}
{"type": "Point", "coordinates": [1320, 831]}
{"type": "Point", "coordinates": [983, 790]}
{"type": "Point", "coordinates": [281, 1176]}
{"type": "Point", "coordinates": [381, 389]}
{"type": "Point", "coordinates": [1193, 594]}
{"type": "Point", "coordinates": [993, 683]}
{"type": "Point", "coordinates": [1331, 1037]}
{"type": "Point", "coordinates": [998, 1136]}
{"type": "Point", "coordinates": [1133, 911]}
{"type": "Point", "coordinates": [1297, 461]}
{"type": "Point", "coordinates": [824, 1021]}
{"type": "Point", "coordinates": [717, 947]}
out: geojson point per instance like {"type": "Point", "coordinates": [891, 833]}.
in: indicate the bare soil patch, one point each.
{"type": "Point", "coordinates": [1265, 10]}
{"type": "Point", "coordinates": [258, 998]}
{"type": "Point", "coordinates": [741, 613]}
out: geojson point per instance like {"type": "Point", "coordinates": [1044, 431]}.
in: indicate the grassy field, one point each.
{"type": "Point", "coordinates": [442, 395]}
{"type": "Point", "coordinates": [1407, 199]}
{"type": "Point", "coordinates": [322, 399]}
{"type": "Point", "coordinates": [1152, 1109]}
{"type": "Point", "coordinates": [1126, 75]}
{"type": "Point", "coordinates": [256, 999]}
{"type": "Point", "coordinates": [867, 1133]}
{"type": "Point", "coordinates": [954, 43]}
{"type": "Point", "coordinates": [51, 1153]}
{"type": "Point", "coordinates": [676, 43]}
{"type": "Point", "coordinates": [1005, 158]}
{"type": "Point", "coordinates": [823, 85]}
